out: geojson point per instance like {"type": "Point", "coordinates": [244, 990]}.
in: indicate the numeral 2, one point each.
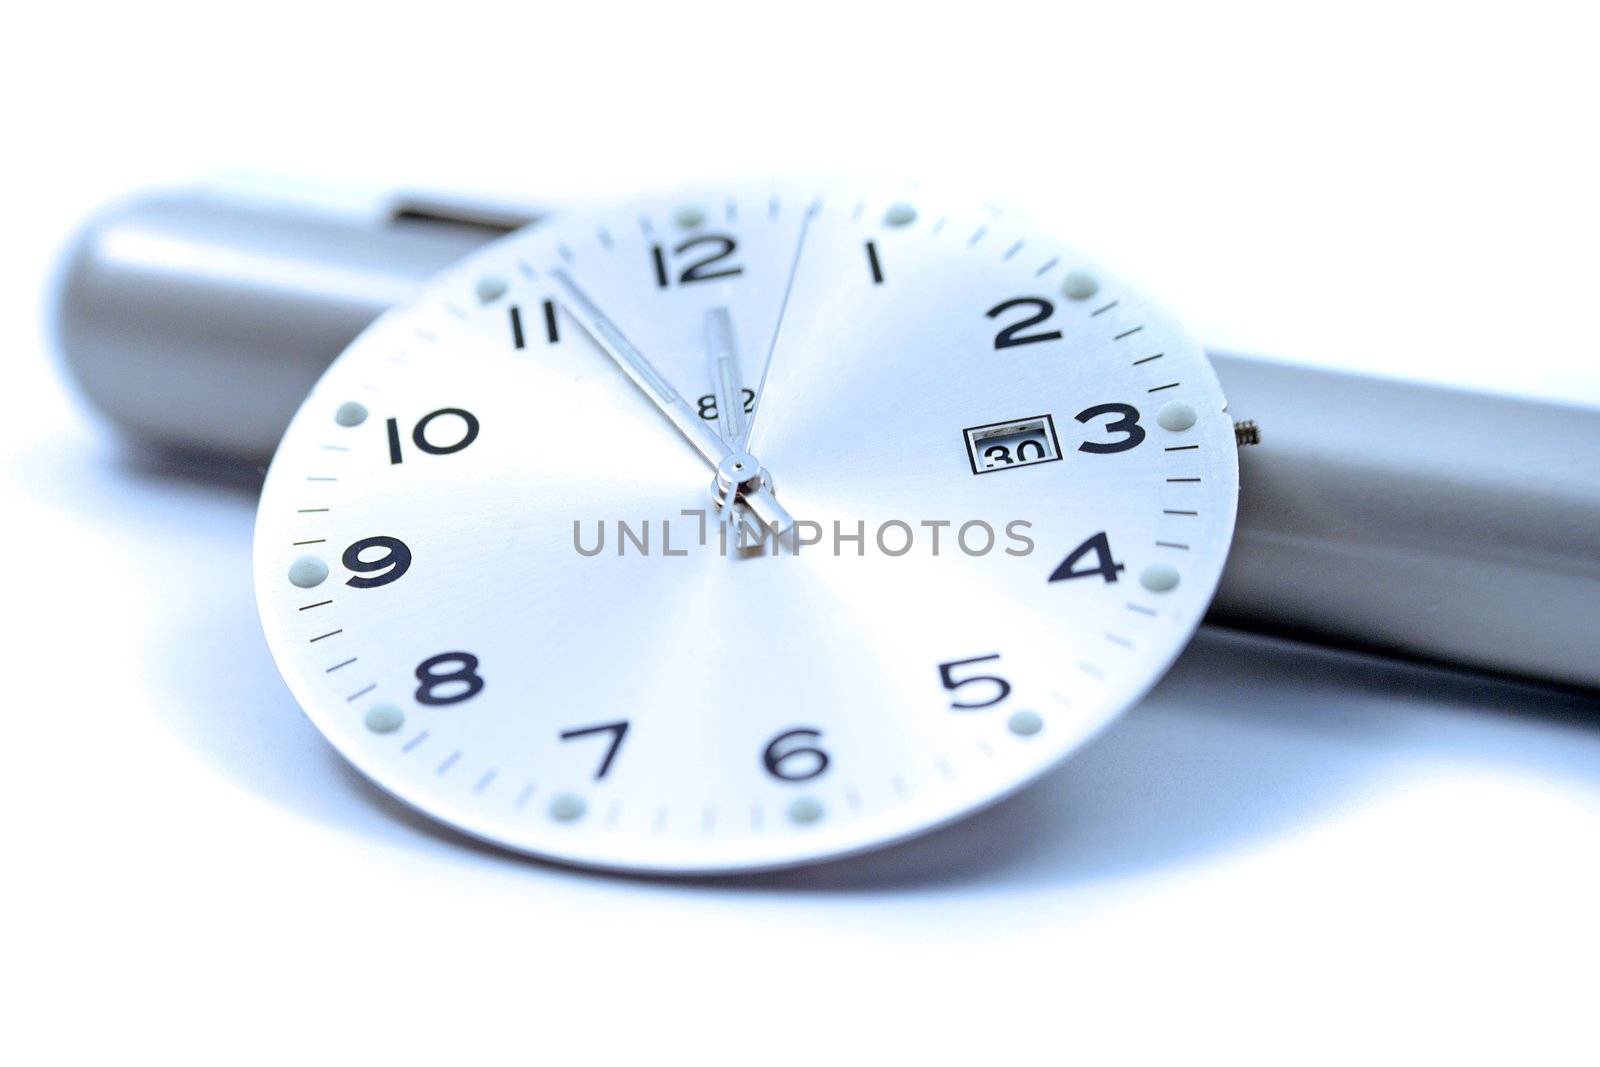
{"type": "Point", "coordinates": [1012, 335]}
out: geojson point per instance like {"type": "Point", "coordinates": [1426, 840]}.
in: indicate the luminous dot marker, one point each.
{"type": "Point", "coordinates": [900, 215]}
{"type": "Point", "coordinates": [565, 807]}
{"type": "Point", "coordinates": [1159, 578]}
{"type": "Point", "coordinates": [490, 288]}
{"type": "Point", "coordinates": [689, 216]}
{"type": "Point", "coordinates": [1025, 723]}
{"type": "Point", "coordinates": [1080, 285]}
{"type": "Point", "coordinates": [1176, 415]}
{"type": "Point", "coordinates": [805, 810]}
{"type": "Point", "coordinates": [308, 572]}
{"type": "Point", "coordinates": [384, 718]}
{"type": "Point", "coordinates": [350, 413]}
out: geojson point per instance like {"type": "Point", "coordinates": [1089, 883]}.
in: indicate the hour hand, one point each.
{"type": "Point", "coordinates": [727, 383]}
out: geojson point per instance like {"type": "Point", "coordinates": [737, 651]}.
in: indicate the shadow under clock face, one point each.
{"type": "Point", "coordinates": [496, 575]}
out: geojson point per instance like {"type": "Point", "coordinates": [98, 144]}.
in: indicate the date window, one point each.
{"type": "Point", "coordinates": [1002, 446]}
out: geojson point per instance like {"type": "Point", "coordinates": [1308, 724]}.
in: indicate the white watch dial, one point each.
{"type": "Point", "coordinates": [482, 573]}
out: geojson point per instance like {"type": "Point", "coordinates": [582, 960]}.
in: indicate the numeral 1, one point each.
{"type": "Point", "coordinates": [872, 262]}
{"type": "Point", "coordinates": [516, 328]}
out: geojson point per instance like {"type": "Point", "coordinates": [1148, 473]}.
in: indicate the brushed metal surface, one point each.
{"type": "Point", "coordinates": [1435, 523]}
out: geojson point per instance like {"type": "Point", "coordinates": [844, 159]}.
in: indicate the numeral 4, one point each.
{"type": "Point", "coordinates": [1103, 564]}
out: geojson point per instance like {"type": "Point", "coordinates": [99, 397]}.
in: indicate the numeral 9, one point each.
{"type": "Point", "coordinates": [394, 562]}
{"type": "Point", "coordinates": [1012, 336]}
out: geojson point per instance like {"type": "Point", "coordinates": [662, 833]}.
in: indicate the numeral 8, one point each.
{"type": "Point", "coordinates": [433, 679]}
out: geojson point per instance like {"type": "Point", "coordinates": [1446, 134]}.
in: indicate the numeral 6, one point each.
{"type": "Point", "coordinates": [796, 761]}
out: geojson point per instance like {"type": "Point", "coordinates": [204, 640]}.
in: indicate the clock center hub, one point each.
{"type": "Point", "coordinates": [739, 472]}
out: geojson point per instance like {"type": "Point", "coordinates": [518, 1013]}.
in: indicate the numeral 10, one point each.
{"type": "Point", "coordinates": [419, 434]}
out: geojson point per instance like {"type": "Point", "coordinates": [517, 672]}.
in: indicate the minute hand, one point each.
{"type": "Point", "coordinates": [671, 403]}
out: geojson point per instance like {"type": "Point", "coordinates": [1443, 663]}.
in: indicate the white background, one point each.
{"type": "Point", "coordinates": [1284, 855]}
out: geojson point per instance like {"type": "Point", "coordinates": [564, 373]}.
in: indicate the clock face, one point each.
{"type": "Point", "coordinates": [496, 569]}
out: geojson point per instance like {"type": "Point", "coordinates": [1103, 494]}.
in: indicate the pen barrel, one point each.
{"type": "Point", "coordinates": [200, 322]}
{"type": "Point", "coordinates": [1421, 521]}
